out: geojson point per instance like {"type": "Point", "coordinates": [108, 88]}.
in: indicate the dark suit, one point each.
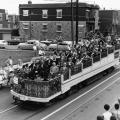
{"type": "Point", "coordinates": [47, 65]}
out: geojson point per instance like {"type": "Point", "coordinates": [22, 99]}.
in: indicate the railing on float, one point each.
{"type": "Point", "coordinates": [88, 61]}
{"type": "Point", "coordinates": [117, 46]}
{"type": "Point", "coordinates": [45, 89]}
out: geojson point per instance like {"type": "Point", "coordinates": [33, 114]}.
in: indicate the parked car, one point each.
{"type": "Point", "coordinates": [59, 46]}
{"type": "Point", "coordinates": [2, 44]}
{"type": "Point", "coordinates": [69, 43]}
{"type": "Point", "coordinates": [29, 45]}
{"type": "Point", "coordinates": [46, 42]}
{"type": "Point", "coordinates": [12, 44]}
{"type": "Point", "coordinates": [52, 40]}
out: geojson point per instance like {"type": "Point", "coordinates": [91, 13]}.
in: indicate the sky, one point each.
{"type": "Point", "coordinates": [11, 6]}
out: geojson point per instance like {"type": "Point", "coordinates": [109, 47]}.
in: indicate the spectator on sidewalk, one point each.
{"type": "Point", "coordinates": [41, 53]}
{"type": "Point", "coordinates": [116, 113]}
{"type": "Point", "coordinates": [107, 114]}
{"type": "Point", "coordinates": [9, 61]}
{"type": "Point", "coordinates": [3, 74]}
{"type": "Point", "coordinates": [35, 49]}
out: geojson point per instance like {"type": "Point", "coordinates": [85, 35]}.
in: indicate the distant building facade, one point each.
{"type": "Point", "coordinates": [49, 21]}
{"type": "Point", "coordinates": [5, 31]}
{"type": "Point", "coordinates": [13, 21]}
{"type": "Point", "coordinates": [109, 21]}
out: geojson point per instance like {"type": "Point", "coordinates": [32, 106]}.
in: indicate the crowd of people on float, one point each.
{"type": "Point", "coordinates": [61, 61]}
{"type": "Point", "coordinates": [110, 114]}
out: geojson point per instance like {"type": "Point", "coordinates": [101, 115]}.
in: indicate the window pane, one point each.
{"type": "Point", "coordinates": [59, 28]}
{"type": "Point", "coordinates": [25, 25]}
{"type": "Point", "coordinates": [1, 25]}
{"type": "Point", "coordinates": [1, 17]}
{"type": "Point", "coordinates": [44, 13]}
{"type": "Point", "coordinates": [59, 13]}
{"type": "Point", "coordinates": [25, 12]}
{"type": "Point", "coordinates": [45, 27]}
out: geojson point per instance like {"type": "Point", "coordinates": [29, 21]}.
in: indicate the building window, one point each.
{"type": "Point", "coordinates": [1, 17]}
{"type": "Point", "coordinates": [59, 13]}
{"type": "Point", "coordinates": [45, 27]}
{"type": "Point", "coordinates": [44, 13]}
{"type": "Point", "coordinates": [25, 12]}
{"type": "Point", "coordinates": [1, 25]}
{"type": "Point", "coordinates": [9, 19]}
{"type": "Point", "coordinates": [9, 26]}
{"type": "Point", "coordinates": [59, 28]}
{"type": "Point", "coordinates": [26, 25]}
{"type": "Point", "coordinates": [6, 16]}
{"type": "Point", "coordinates": [87, 13]}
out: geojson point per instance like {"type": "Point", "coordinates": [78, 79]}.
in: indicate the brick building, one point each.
{"type": "Point", "coordinates": [109, 21]}
{"type": "Point", "coordinates": [49, 21]}
{"type": "Point", "coordinates": [5, 31]}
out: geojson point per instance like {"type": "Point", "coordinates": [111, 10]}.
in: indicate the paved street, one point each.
{"type": "Point", "coordinates": [87, 106]}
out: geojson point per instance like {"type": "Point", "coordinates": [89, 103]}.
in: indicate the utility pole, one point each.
{"type": "Point", "coordinates": [77, 19]}
{"type": "Point", "coordinates": [72, 19]}
{"type": "Point", "coordinates": [30, 28]}
{"type": "Point", "coordinates": [30, 24]}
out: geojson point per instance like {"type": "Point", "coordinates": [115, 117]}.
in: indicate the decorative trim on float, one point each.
{"type": "Point", "coordinates": [35, 99]}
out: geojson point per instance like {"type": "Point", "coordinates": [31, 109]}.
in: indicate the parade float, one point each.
{"type": "Point", "coordinates": [25, 88]}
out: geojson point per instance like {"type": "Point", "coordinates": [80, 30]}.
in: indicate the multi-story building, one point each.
{"type": "Point", "coordinates": [13, 21]}
{"type": "Point", "coordinates": [5, 31]}
{"type": "Point", "coordinates": [49, 21]}
{"type": "Point", "coordinates": [109, 20]}
{"type": "Point", "coordinates": [3, 19]}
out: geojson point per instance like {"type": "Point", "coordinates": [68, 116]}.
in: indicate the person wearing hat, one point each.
{"type": "Point", "coordinates": [35, 49]}
{"type": "Point", "coordinates": [9, 61]}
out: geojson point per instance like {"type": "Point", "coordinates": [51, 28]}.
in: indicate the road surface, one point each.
{"type": "Point", "coordinates": [86, 104]}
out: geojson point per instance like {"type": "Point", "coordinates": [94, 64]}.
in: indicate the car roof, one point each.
{"type": "Point", "coordinates": [36, 58]}
{"type": "Point", "coordinates": [2, 40]}
{"type": "Point", "coordinates": [13, 41]}
{"type": "Point", "coordinates": [32, 40]}
{"type": "Point", "coordinates": [46, 41]}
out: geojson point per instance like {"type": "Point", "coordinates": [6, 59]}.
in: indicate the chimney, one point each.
{"type": "Point", "coordinates": [29, 2]}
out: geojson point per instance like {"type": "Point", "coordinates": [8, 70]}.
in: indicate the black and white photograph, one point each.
{"type": "Point", "coordinates": [60, 60]}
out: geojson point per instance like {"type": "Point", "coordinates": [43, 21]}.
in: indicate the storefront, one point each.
{"type": "Point", "coordinates": [5, 34]}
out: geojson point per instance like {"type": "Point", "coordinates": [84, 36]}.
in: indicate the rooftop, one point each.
{"type": "Point", "coordinates": [56, 5]}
